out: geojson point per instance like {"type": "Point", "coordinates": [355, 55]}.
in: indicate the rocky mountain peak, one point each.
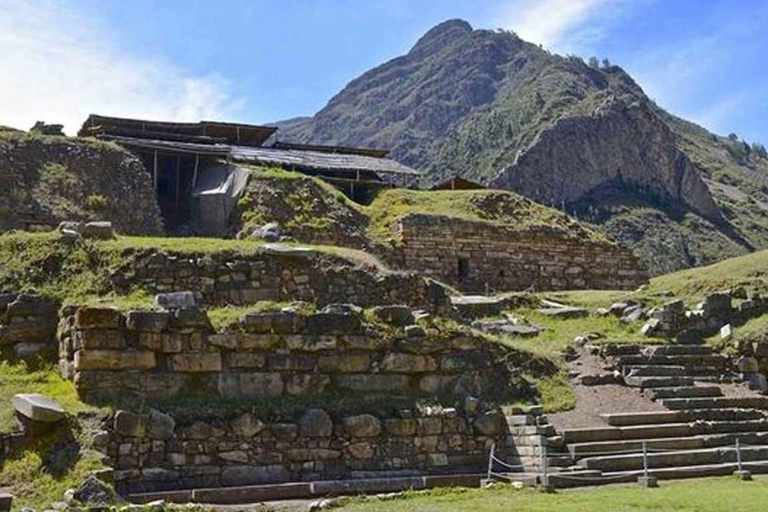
{"type": "Point", "coordinates": [440, 36]}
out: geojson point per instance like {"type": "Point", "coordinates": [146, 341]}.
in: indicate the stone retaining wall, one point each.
{"type": "Point", "coordinates": [478, 257]}
{"type": "Point", "coordinates": [285, 274]}
{"type": "Point", "coordinates": [27, 322]}
{"type": "Point", "coordinates": [151, 453]}
{"type": "Point", "coordinates": [164, 354]}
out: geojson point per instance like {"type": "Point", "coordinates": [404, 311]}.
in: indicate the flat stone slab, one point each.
{"type": "Point", "coordinates": [289, 250]}
{"type": "Point", "coordinates": [176, 300]}
{"type": "Point", "coordinates": [38, 408]}
{"type": "Point", "coordinates": [474, 300]}
{"type": "Point", "coordinates": [565, 313]}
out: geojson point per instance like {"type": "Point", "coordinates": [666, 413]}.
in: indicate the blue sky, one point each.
{"type": "Point", "coordinates": [259, 61]}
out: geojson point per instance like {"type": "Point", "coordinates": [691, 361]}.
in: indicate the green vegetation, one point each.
{"type": "Point", "coordinates": [702, 495]}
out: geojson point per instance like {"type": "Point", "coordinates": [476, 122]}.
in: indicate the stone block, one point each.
{"type": "Point", "coordinates": [114, 360]}
{"type": "Point", "coordinates": [167, 343]}
{"type": "Point", "coordinates": [238, 456]}
{"type": "Point", "coordinates": [189, 319]}
{"type": "Point", "coordinates": [259, 323]}
{"type": "Point", "coordinates": [302, 384]}
{"type": "Point", "coordinates": [147, 321]}
{"type": "Point", "coordinates": [246, 426]}
{"type": "Point", "coordinates": [196, 362]}
{"type": "Point", "coordinates": [373, 383]}
{"type": "Point", "coordinates": [362, 450]}
{"type": "Point", "coordinates": [312, 454]}
{"type": "Point", "coordinates": [397, 427]}
{"type": "Point", "coordinates": [344, 363]}
{"type": "Point", "coordinates": [398, 315]}
{"type": "Point", "coordinates": [98, 230]}
{"type": "Point", "coordinates": [161, 425]}
{"type": "Point", "coordinates": [245, 360]}
{"type": "Point", "coordinates": [726, 332]}
{"type": "Point", "coordinates": [88, 317]}
{"type": "Point", "coordinates": [129, 424]}
{"type": "Point", "coordinates": [28, 306]}
{"type": "Point", "coordinates": [38, 408]}
{"type": "Point", "coordinates": [315, 423]}
{"type": "Point", "coordinates": [408, 363]}
{"type": "Point", "coordinates": [311, 343]}
{"type": "Point", "coordinates": [291, 362]}
{"type": "Point", "coordinates": [6, 501]}
{"type": "Point", "coordinates": [237, 476]}
{"type": "Point", "coordinates": [237, 385]}
{"type": "Point", "coordinates": [284, 431]}
{"type": "Point", "coordinates": [176, 300]}
{"type": "Point", "coordinates": [98, 339]}
{"type": "Point", "coordinates": [362, 425]}
{"type": "Point", "coordinates": [333, 323]}
{"type": "Point", "coordinates": [489, 424]}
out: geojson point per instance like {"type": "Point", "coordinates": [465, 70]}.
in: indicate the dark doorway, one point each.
{"type": "Point", "coordinates": [462, 268]}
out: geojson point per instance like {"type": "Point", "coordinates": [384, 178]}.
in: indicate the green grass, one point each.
{"type": "Point", "coordinates": [39, 377]}
{"type": "Point", "coordinates": [702, 495]}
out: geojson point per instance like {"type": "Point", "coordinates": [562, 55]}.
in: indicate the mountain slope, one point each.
{"type": "Point", "coordinates": [493, 108]}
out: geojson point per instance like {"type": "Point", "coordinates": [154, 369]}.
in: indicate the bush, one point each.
{"type": "Point", "coordinates": [96, 202]}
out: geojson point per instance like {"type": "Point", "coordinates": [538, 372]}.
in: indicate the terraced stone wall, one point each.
{"type": "Point", "coordinates": [150, 452]}
{"type": "Point", "coordinates": [288, 274]}
{"type": "Point", "coordinates": [161, 355]}
{"type": "Point", "coordinates": [27, 322]}
{"type": "Point", "coordinates": [480, 257]}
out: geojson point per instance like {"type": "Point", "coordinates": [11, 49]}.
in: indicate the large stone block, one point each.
{"type": "Point", "coordinates": [148, 321]}
{"type": "Point", "coordinates": [291, 362]}
{"type": "Point", "coordinates": [302, 384]}
{"type": "Point", "coordinates": [114, 360]}
{"type": "Point", "coordinates": [167, 343]}
{"type": "Point", "coordinates": [373, 383]}
{"type": "Point", "coordinates": [88, 317]}
{"type": "Point", "coordinates": [236, 385]}
{"type": "Point", "coordinates": [311, 343]}
{"type": "Point", "coordinates": [315, 423]}
{"type": "Point", "coordinates": [333, 323]}
{"type": "Point", "coordinates": [38, 407]}
{"type": "Point", "coordinates": [408, 363]}
{"type": "Point", "coordinates": [196, 362]}
{"type": "Point", "coordinates": [246, 426]}
{"type": "Point", "coordinates": [237, 476]}
{"type": "Point", "coordinates": [245, 360]}
{"type": "Point", "coordinates": [344, 363]}
{"type": "Point", "coordinates": [397, 427]}
{"type": "Point", "coordinates": [362, 425]}
{"type": "Point", "coordinates": [98, 339]}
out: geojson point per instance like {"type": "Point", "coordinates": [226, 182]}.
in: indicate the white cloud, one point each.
{"type": "Point", "coordinates": [563, 25]}
{"type": "Point", "coordinates": [58, 66]}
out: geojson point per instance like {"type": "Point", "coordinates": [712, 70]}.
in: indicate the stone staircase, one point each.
{"type": "Point", "coordinates": [697, 434]}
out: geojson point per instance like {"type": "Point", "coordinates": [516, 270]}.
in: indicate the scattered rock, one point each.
{"type": "Point", "coordinates": [398, 315]}
{"type": "Point", "coordinates": [415, 331]}
{"type": "Point", "coordinates": [617, 308]}
{"type": "Point", "coordinates": [633, 314]}
{"type": "Point", "coordinates": [101, 230]}
{"type": "Point", "coordinates": [564, 312]}
{"type": "Point", "coordinates": [488, 424]}
{"type": "Point", "coordinates": [6, 500]}
{"type": "Point", "coordinates": [247, 425]}
{"type": "Point", "coordinates": [271, 232]}
{"type": "Point", "coordinates": [95, 492]}
{"type": "Point", "coordinates": [176, 300]}
{"type": "Point", "coordinates": [38, 408]}
{"type": "Point", "coordinates": [726, 332]}
{"type": "Point", "coordinates": [651, 327]}
{"type": "Point", "coordinates": [471, 405]}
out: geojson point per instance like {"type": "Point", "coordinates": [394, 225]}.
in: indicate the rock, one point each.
{"type": "Point", "coordinates": [757, 381]}
{"type": "Point", "coordinates": [408, 363]}
{"type": "Point", "coordinates": [488, 424]}
{"type": "Point", "coordinates": [726, 332]}
{"type": "Point", "coordinates": [38, 408]}
{"type": "Point", "coordinates": [601, 379]}
{"type": "Point", "coordinates": [87, 317]}
{"type": "Point", "coordinates": [70, 225]}
{"type": "Point", "coordinates": [508, 327]}
{"type": "Point", "coordinates": [176, 300]}
{"type": "Point", "coordinates": [271, 232]}
{"type": "Point", "coordinates": [147, 321]}
{"type": "Point", "coordinates": [747, 365]}
{"type": "Point", "coordinates": [398, 315]}
{"type": "Point", "coordinates": [342, 309]}
{"type": "Point", "coordinates": [415, 331]}
{"type": "Point", "coordinates": [717, 305]}
{"type": "Point", "coordinates": [129, 424]}
{"type": "Point", "coordinates": [600, 312]}
{"type": "Point", "coordinates": [651, 328]}
{"type": "Point", "coordinates": [363, 425]}
{"type": "Point", "coordinates": [161, 425]}
{"type": "Point", "coordinates": [471, 405]}
{"type": "Point", "coordinates": [98, 231]}
{"type": "Point", "coordinates": [564, 312]}
{"type": "Point", "coordinates": [95, 492]}
{"type": "Point", "coordinates": [617, 308]}
{"type": "Point", "coordinates": [247, 425]}
{"type": "Point", "coordinates": [315, 423]}
{"type": "Point", "coordinates": [633, 314]}
{"type": "Point", "coordinates": [27, 350]}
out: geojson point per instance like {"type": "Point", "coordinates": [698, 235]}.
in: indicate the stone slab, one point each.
{"type": "Point", "coordinates": [38, 408]}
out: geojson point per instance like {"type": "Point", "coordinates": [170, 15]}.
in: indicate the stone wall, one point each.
{"type": "Point", "coordinates": [277, 274]}
{"type": "Point", "coordinates": [161, 355]}
{"type": "Point", "coordinates": [480, 257]}
{"type": "Point", "coordinates": [27, 322]}
{"type": "Point", "coordinates": [150, 452]}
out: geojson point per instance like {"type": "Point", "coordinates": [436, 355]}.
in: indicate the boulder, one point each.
{"type": "Point", "coordinates": [415, 331]}
{"type": "Point", "coordinates": [101, 230]}
{"type": "Point", "coordinates": [176, 300]}
{"type": "Point", "coordinates": [147, 321]}
{"type": "Point", "coordinates": [161, 425]}
{"type": "Point", "coordinates": [271, 232]}
{"type": "Point", "coordinates": [363, 425]}
{"type": "Point", "coordinates": [315, 423]}
{"type": "Point", "coordinates": [95, 492]}
{"type": "Point", "coordinates": [128, 424]}
{"type": "Point", "coordinates": [618, 308]}
{"type": "Point", "coordinates": [246, 425]}
{"type": "Point", "coordinates": [633, 314]}
{"type": "Point", "coordinates": [489, 424]}
{"type": "Point", "coordinates": [471, 405]}
{"type": "Point", "coordinates": [717, 305]}
{"type": "Point", "coordinates": [747, 365]}
{"type": "Point", "coordinates": [397, 315]}
{"type": "Point", "coordinates": [651, 327]}
{"type": "Point", "coordinates": [38, 408]}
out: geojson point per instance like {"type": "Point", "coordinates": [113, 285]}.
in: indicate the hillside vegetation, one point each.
{"type": "Point", "coordinates": [583, 138]}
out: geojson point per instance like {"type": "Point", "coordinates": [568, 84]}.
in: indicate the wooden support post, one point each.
{"type": "Point", "coordinates": [154, 173]}
{"type": "Point", "coordinates": [194, 176]}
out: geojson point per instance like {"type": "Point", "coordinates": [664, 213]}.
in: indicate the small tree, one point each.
{"type": "Point", "coordinates": [593, 62]}
{"type": "Point", "coordinates": [733, 136]}
{"type": "Point", "coordinates": [606, 63]}
{"type": "Point", "coordinates": [759, 150]}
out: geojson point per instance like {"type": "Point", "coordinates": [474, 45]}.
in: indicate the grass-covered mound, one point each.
{"type": "Point", "coordinates": [47, 179]}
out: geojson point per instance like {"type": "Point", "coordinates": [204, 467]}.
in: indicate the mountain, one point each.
{"type": "Point", "coordinates": [493, 108]}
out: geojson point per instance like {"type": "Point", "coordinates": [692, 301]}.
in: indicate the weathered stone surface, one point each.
{"type": "Point", "coordinates": [398, 315]}
{"type": "Point", "coordinates": [235, 476]}
{"type": "Point", "coordinates": [161, 425]}
{"type": "Point", "coordinates": [400, 427]}
{"type": "Point", "coordinates": [747, 365]}
{"type": "Point", "coordinates": [202, 430]}
{"type": "Point", "coordinates": [176, 300]}
{"type": "Point", "coordinates": [315, 423]}
{"type": "Point", "coordinates": [95, 492]}
{"type": "Point", "coordinates": [291, 362]}
{"type": "Point", "coordinates": [28, 350]}
{"type": "Point", "coordinates": [344, 363]}
{"type": "Point", "coordinates": [489, 423]}
{"type": "Point", "coordinates": [167, 343]}
{"type": "Point", "coordinates": [99, 339]}
{"type": "Point", "coordinates": [100, 230]}
{"type": "Point", "coordinates": [306, 384]}
{"type": "Point", "coordinates": [564, 312]}
{"type": "Point", "coordinates": [373, 383]}
{"type": "Point", "coordinates": [333, 323]}
{"type": "Point", "coordinates": [363, 425]}
{"type": "Point", "coordinates": [98, 318]}
{"type": "Point", "coordinates": [129, 424]}
{"type": "Point", "coordinates": [114, 360]}
{"type": "Point", "coordinates": [147, 321]}
{"type": "Point", "coordinates": [196, 362]}
{"type": "Point", "coordinates": [236, 385]}
{"type": "Point", "coordinates": [408, 363]}
{"type": "Point", "coordinates": [190, 318]}
{"type": "Point", "coordinates": [38, 407]}
{"type": "Point", "coordinates": [726, 332]}
{"type": "Point", "coordinates": [6, 502]}
{"type": "Point", "coordinates": [245, 360]}
{"type": "Point", "coordinates": [247, 425]}
{"type": "Point", "coordinates": [361, 450]}
{"type": "Point", "coordinates": [717, 305]}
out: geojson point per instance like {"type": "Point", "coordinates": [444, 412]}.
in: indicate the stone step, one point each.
{"type": "Point", "coordinates": [656, 370]}
{"type": "Point", "coordinates": [722, 402]}
{"type": "Point", "coordinates": [628, 462]}
{"type": "Point", "coordinates": [582, 450]}
{"type": "Point", "coordinates": [684, 392]}
{"type": "Point", "coordinates": [678, 472]}
{"type": "Point", "coordinates": [612, 350]}
{"type": "Point", "coordinates": [532, 430]}
{"type": "Point", "coordinates": [639, 432]}
{"type": "Point", "coordinates": [306, 490]}
{"type": "Point", "coordinates": [688, 361]}
{"type": "Point", "coordinates": [658, 382]}
{"type": "Point", "coordinates": [624, 419]}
